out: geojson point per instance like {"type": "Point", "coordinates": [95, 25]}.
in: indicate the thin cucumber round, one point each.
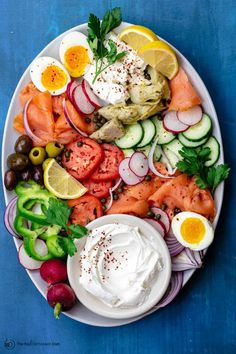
{"type": "Point", "coordinates": [200, 130]}
{"type": "Point", "coordinates": [164, 137]}
{"type": "Point", "coordinates": [171, 156]}
{"type": "Point", "coordinates": [133, 135]}
{"type": "Point", "coordinates": [189, 143]}
{"type": "Point", "coordinates": [128, 152]}
{"type": "Point", "coordinates": [149, 129]}
{"type": "Point", "coordinates": [214, 146]}
{"type": "Point", "coordinates": [175, 146]}
{"type": "Point", "coordinates": [146, 149]}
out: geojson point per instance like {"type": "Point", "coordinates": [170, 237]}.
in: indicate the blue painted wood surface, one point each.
{"type": "Point", "coordinates": [202, 319]}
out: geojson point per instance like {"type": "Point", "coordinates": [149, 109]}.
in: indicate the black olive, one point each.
{"type": "Point", "coordinates": [10, 180]}
{"type": "Point", "coordinates": [17, 162]}
{"type": "Point", "coordinates": [26, 175]}
{"type": "Point", "coordinates": [37, 174]}
{"type": "Point", "coordinates": [23, 144]}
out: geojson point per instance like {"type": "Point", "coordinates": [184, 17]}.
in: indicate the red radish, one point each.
{"type": "Point", "coordinates": [138, 164]}
{"type": "Point", "coordinates": [61, 297]}
{"type": "Point", "coordinates": [157, 224]}
{"type": "Point", "coordinates": [127, 175]}
{"type": "Point", "coordinates": [81, 102]}
{"type": "Point", "coordinates": [93, 99]}
{"type": "Point", "coordinates": [172, 124]}
{"type": "Point", "coordinates": [28, 262]}
{"type": "Point", "coordinates": [164, 218]}
{"type": "Point", "coordinates": [190, 117]}
{"type": "Point", "coordinates": [70, 87]}
{"type": "Point", "coordinates": [54, 271]}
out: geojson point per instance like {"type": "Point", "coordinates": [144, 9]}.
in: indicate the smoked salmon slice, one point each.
{"type": "Point", "coordinates": [129, 205]}
{"type": "Point", "coordinates": [183, 94]}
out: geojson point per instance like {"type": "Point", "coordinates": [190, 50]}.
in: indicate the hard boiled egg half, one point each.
{"type": "Point", "coordinates": [75, 53]}
{"type": "Point", "coordinates": [192, 230]}
{"type": "Point", "coordinates": [49, 74]}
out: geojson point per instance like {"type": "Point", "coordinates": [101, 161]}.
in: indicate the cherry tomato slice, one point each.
{"type": "Point", "coordinates": [109, 167]}
{"type": "Point", "coordinates": [82, 157]}
{"type": "Point", "coordinates": [86, 209]}
{"type": "Point", "coordinates": [98, 189]}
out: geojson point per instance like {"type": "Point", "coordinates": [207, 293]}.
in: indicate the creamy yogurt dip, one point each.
{"type": "Point", "coordinates": [118, 265]}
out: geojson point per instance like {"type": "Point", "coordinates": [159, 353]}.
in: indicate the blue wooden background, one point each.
{"type": "Point", "coordinates": [202, 319]}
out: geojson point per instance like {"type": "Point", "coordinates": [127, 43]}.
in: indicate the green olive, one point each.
{"type": "Point", "coordinates": [46, 162]}
{"type": "Point", "coordinates": [23, 144]}
{"type": "Point", "coordinates": [17, 162]}
{"type": "Point", "coordinates": [54, 149]}
{"type": "Point", "coordinates": [37, 155]}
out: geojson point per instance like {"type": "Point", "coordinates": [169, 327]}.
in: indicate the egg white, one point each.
{"type": "Point", "coordinates": [37, 68]}
{"type": "Point", "coordinates": [74, 39]}
{"type": "Point", "coordinates": [176, 228]}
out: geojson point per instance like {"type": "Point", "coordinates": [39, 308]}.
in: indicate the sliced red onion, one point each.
{"type": "Point", "coordinates": [93, 99]}
{"type": "Point", "coordinates": [70, 121]}
{"type": "Point", "coordinates": [116, 185]}
{"type": "Point", "coordinates": [157, 225]}
{"type": "Point", "coordinates": [151, 163]}
{"type": "Point", "coordinates": [184, 261]}
{"type": "Point", "coordinates": [28, 130]}
{"type": "Point", "coordinates": [176, 283]}
{"type": "Point", "coordinates": [172, 124]}
{"type": "Point", "coordinates": [138, 164]}
{"type": "Point", "coordinates": [127, 175]}
{"type": "Point", "coordinates": [70, 88]}
{"type": "Point", "coordinates": [9, 217]}
{"type": "Point", "coordinates": [81, 102]}
{"type": "Point", "coordinates": [111, 190]}
{"type": "Point", "coordinates": [164, 218]}
{"type": "Point", "coordinates": [173, 244]}
{"type": "Point", "coordinates": [190, 117]}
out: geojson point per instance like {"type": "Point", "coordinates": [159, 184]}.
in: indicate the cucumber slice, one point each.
{"type": "Point", "coordinates": [189, 143]}
{"type": "Point", "coordinates": [164, 137]}
{"type": "Point", "coordinates": [133, 136]}
{"type": "Point", "coordinates": [149, 129]}
{"type": "Point", "coordinates": [175, 146]}
{"type": "Point", "coordinates": [200, 130]}
{"type": "Point", "coordinates": [214, 146]}
{"type": "Point", "coordinates": [146, 149]}
{"type": "Point", "coordinates": [128, 152]}
{"type": "Point", "coordinates": [173, 159]}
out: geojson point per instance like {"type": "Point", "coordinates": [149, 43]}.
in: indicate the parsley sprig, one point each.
{"type": "Point", "coordinates": [58, 213]}
{"type": "Point", "coordinates": [193, 164]}
{"type": "Point", "coordinates": [104, 55]}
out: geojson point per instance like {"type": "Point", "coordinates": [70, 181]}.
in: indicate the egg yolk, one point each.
{"type": "Point", "coordinates": [53, 78]}
{"type": "Point", "coordinates": [76, 59]}
{"type": "Point", "coordinates": [193, 230]}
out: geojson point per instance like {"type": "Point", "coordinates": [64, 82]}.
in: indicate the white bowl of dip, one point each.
{"type": "Point", "coordinates": [122, 268]}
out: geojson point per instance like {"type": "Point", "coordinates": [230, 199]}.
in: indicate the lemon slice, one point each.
{"type": "Point", "coordinates": [137, 36]}
{"type": "Point", "coordinates": [160, 56]}
{"type": "Point", "coordinates": [60, 183]}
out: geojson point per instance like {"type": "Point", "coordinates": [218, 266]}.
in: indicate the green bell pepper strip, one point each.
{"type": "Point", "coordinates": [25, 187]}
{"type": "Point", "coordinates": [54, 246]}
{"type": "Point", "coordinates": [29, 239]}
{"type": "Point", "coordinates": [51, 230]}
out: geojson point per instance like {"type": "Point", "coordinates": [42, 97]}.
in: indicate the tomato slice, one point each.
{"type": "Point", "coordinates": [82, 159]}
{"type": "Point", "coordinates": [98, 189]}
{"type": "Point", "coordinates": [86, 209]}
{"type": "Point", "coordinates": [109, 167]}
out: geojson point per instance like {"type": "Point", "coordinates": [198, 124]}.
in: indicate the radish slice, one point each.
{"type": "Point", "coordinates": [190, 117]}
{"type": "Point", "coordinates": [127, 175]}
{"type": "Point", "coordinates": [70, 88]}
{"type": "Point", "coordinates": [70, 121]}
{"type": "Point", "coordinates": [157, 225]}
{"type": "Point", "coordinates": [93, 99]}
{"type": "Point", "coordinates": [28, 262]}
{"type": "Point", "coordinates": [172, 124]}
{"type": "Point", "coordinates": [138, 164]}
{"type": "Point", "coordinates": [81, 102]}
{"type": "Point", "coordinates": [164, 218]}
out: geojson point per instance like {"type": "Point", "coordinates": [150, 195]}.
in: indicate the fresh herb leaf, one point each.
{"type": "Point", "coordinates": [57, 212]}
{"type": "Point", "coordinates": [193, 164]}
{"type": "Point", "coordinates": [68, 246]}
{"type": "Point", "coordinates": [78, 231]}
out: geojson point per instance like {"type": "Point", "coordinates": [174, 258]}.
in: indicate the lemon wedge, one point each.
{"type": "Point", "coordinates": [137, 36]}
{"type": "Point", "coordinates": [160, 56]}
{"type": "Point", "coordinates": [60, 183]}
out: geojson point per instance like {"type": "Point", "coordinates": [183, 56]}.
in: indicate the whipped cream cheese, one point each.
{"type": "Point", "coordinates": [118, 265]}
{"type": "Point", "coordinates": [112, 84]}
